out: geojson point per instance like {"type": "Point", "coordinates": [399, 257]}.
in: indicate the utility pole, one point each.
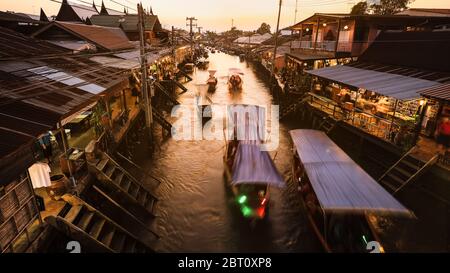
{"type": "Point", "coordinates": [199, 30]}
{"type": "Point", "coordinates": [173, 42]}
{"type": "Point", "coordinates": [192, 23]}
{"type": "Point", "coordinates": [144, 72]}
{"type": "Point", "coordinates": [276, 47]}
{"type": "Point", "coordinates": [295, 21]}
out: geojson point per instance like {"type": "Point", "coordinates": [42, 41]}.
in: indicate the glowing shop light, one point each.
{"type": "Point", "coordinates": [263, 202]}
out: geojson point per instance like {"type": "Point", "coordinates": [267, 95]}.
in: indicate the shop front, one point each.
{"type": "Point", "coordinates": [394, 112]}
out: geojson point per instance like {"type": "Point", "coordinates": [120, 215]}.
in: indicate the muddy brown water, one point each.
{"type": "Point", "coordinates": [195, 212]}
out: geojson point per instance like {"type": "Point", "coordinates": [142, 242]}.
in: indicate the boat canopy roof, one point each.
{"type": "Point", "coordinates": [234, 71]}
{"type": "Point", "coordinates": [254, 166]}
{"type": "Point", "coordinates": [338, 182]}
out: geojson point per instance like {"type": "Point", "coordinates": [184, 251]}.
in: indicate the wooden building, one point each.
{"type": "Point", "coordinates": [331, 39]}
{"type": "Point", "coordinates": [129, 24]}
{"type": "Point", "coordinates": [383, 87]}
{"type": "Point", "coordinates": [23, 23]}
{"type": "Point", "coordinates": [71, 12]}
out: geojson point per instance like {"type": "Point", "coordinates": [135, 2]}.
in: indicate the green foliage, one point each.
{"type": "Point", "coordinates": [388, 7]}
{"type": "Point", "coordinates": [263, 29]}
{"type": "Point", "coordinates": [359, 8]}
{"type": "Point", "coordinates": [385, 7]}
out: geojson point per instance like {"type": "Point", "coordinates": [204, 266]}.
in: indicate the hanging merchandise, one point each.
{"type": "Point", "coordinates": [40, 175]}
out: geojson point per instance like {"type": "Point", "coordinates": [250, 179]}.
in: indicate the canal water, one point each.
{"type": "Point", "coordinates": [195, 212]}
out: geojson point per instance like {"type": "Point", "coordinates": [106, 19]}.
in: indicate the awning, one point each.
{"type": "Point", "coordinates": [440, 92]}
{"type": "Point", "coordinates": [75, 115]}
{"type": "Point", "coordinates": [309, 57]}
{"type": "Point", "coordinates": [338, 182]}
{"type": "Point", "coordinates": [253, 166]}
{"type": "Point", "coordinates": [387, 84]}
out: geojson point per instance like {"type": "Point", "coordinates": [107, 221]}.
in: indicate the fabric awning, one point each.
{"type": "Point", "coordinates": [440, 92]}
{"type": "Point", "coordinates": [387, 84]}
{"type": "Point", "coordinates": [338, 182]}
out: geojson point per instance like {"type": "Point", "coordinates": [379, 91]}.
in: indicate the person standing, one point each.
{"type": "Point", "coordinates": [46, 144]}
{"type": "Point", "coordinates": [443, 135]}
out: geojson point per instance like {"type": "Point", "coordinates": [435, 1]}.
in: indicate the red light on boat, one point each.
{"type": "Point", "coordinates": [261, 212]}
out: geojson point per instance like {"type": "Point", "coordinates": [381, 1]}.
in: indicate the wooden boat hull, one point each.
{"type": "Point", "coordinates": [258, 213]}
{"type": "Point", "coordinates": [317, 230]}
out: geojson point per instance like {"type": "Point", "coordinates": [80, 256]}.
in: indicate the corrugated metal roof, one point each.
{"type": "Point", "coordinates": [387, 84]}
{"type": "Point", "coordinates": [308, 56]}
{"type": "Point", "coordinates": [441, 92]}
{"type": "Point", "coordinates": [338, 182]}
{"type": "Point", "coordinates": [13, 44]}
{"type": "Point", "coordinates": [109, 38]}
{"type": "Point", "coordinates": [255, 39]}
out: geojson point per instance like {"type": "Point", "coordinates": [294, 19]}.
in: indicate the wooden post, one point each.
{"type": "Point", "coordinates": [317, 34]}
{"type": "Point", "coordinates": [66, 156]}
{"type": "Point", "coordinates": [144, 72]}
{"type": "Point", "coordinates": [337, 36]}
{"type": "Point", "coordinates": [418, 128]}
{"type": "Point", "coordinates": [393, 117]}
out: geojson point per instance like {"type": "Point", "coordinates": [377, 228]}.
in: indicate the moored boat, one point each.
{"type": "Point", "coordinates": [339, 196]}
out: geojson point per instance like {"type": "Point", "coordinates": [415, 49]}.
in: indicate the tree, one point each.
{"type": "Point", "coordinates": [263, 29]}
{"type": "Point", "coordinates": [359, 8]}
{"type": "Point", "coordinates": [389, 7]}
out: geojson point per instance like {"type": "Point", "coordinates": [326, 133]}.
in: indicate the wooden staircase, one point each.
{"type": "Point", "coordinates": [328, 124]}
{"type": "Point", "coordinates": [285, 111]}
{"type": "Point", "coordinates": [405, 171]}
{"type": "Point", "coordinates": [166, 93]}
{"type": "Point", "coordinates": [115, 178]}
{"type": "Point", "coordinates": [184, 74]}
{"type": "Point", "coordinates": [93, 230]}
{"type": "Point", "coordinates": [182, 87]}
{"type": "Point", "coordinates": [158, 117]}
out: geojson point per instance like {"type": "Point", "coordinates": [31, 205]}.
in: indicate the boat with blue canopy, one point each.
{"type": "Point", "coordinates": [342, 201]}
{"type": "Point", "coordinates": [250, 173]}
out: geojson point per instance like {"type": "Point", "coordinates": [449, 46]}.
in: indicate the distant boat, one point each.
{"type": "Point", "coordinates": [212, 81]}
{"type": "Point", "coordinates": [235, 81]}
{"type": "Point", "coordinates": [189, 67]}
{"type": "Point", "coordinates": [202, 63]}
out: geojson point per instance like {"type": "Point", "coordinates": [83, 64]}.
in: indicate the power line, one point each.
{"type": "Point", "coordinates": [125, 6]}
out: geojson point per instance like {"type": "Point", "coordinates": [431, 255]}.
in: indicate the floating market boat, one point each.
{"type": "Point", "coordinates": [342, 201]}
{"type": "Point", "coordinates": [250, 172]}
{"type": "Point", "coordinates": [189, 67]}
{"type": "Point", "coordinates": [212, 80]}
{"type": "Point", "coordinates": [235, 81]}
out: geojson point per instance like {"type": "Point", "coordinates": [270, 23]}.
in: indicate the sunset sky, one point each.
{"type": "Point", "coordinates": [216, 14]}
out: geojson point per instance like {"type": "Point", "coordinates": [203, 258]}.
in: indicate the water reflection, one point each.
{"type": "Point", "coordinates": [196, 213]}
